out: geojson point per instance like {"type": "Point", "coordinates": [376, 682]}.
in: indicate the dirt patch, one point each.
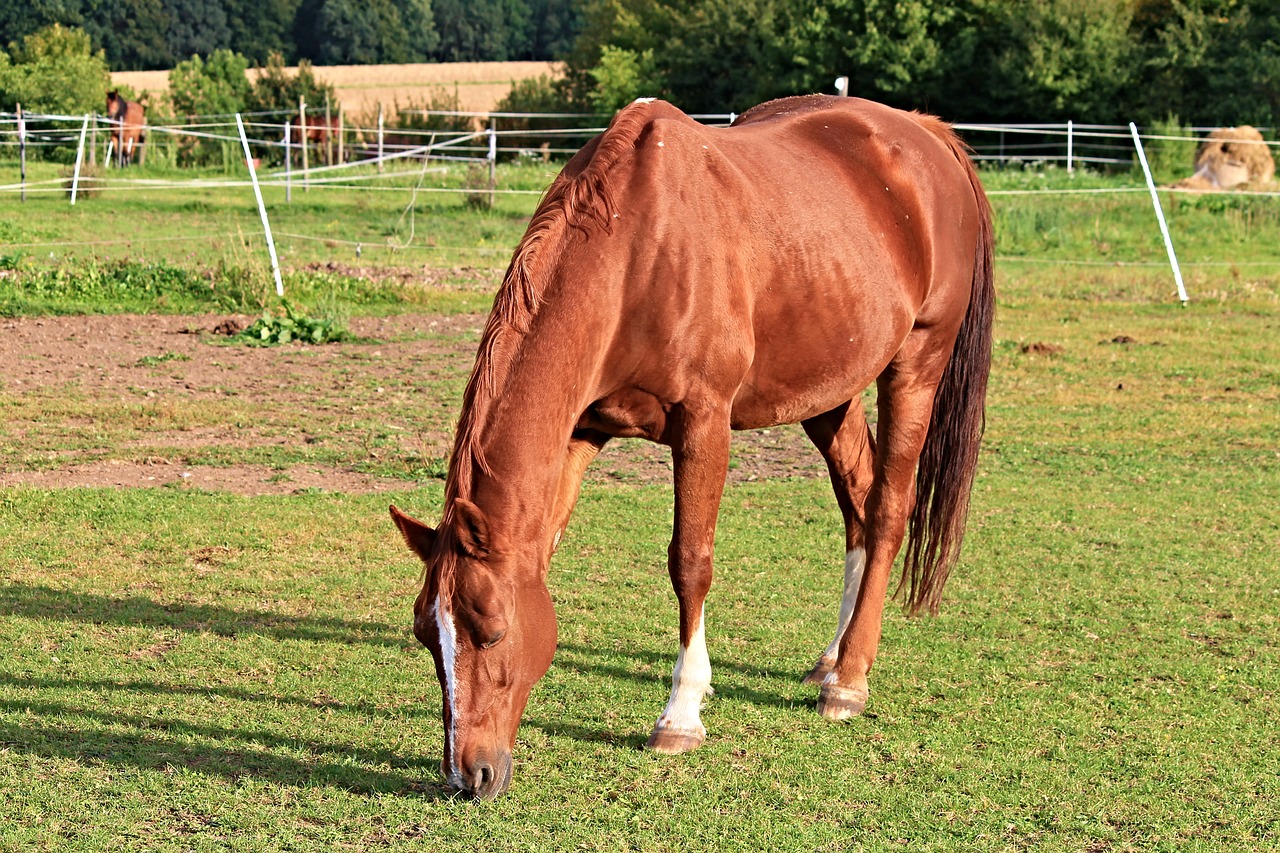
{"type": "Point", "coordinates": [147, 401]}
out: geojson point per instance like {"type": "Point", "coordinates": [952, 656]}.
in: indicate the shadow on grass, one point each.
{"type": "Point", "coordinates": [43, 602]}
{"type": "Point", "coordinates": [152, 742]}
{"type": "Point", "coordinates": [654, 668]}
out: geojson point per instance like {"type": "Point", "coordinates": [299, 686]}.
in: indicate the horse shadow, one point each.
{"type": "Point", "coordinates": [45, 602]}
{"type": "Point", "coordinates": [156, 737]}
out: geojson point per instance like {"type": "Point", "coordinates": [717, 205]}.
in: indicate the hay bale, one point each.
{"type": "Point", "coordinates": [1230, 157]}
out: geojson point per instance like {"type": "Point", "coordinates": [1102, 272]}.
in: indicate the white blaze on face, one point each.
{"type": "Point", "coordinates": [855, 563]}
{"type": "Point", "coordinates": [448, 659]}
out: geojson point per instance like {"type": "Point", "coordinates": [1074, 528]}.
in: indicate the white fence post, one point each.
{"type": "Point", "coordinates": [1155, 200]}
{"type": "Point", "coordinates": [75, 178]}
{"type": "Point", "coordinates": [1070, 140]}
{"type": "Point", "coordinates": [22, 151]}
{"type": "Point", "coordinates": [262, 208]}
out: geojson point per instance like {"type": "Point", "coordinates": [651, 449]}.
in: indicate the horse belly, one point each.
{"type": "Point", "coordinates": [818, 349]}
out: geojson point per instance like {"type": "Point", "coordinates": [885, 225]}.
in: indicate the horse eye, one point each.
{"type": "Point", "coordinates": [494, 639]}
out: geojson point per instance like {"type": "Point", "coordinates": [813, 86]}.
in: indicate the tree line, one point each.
{"type": "Point", "coordinates": [1207, 62]}
{"type": "Point", "coordinates": [138, 35]}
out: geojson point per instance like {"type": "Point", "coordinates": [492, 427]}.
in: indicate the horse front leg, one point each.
{"type": "Point", "coordinates": [584, 446]}
{"type": "Point", "coordinates": [844, 439]}
{"type": "Point", "coordinates": [700, 457]}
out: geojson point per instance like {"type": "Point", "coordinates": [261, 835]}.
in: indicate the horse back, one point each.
{"type": "Point", "coordinates": [758, 253]}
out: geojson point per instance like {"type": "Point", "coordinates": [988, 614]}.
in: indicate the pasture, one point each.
{"type": "Point", "coordinates": [223, 660]}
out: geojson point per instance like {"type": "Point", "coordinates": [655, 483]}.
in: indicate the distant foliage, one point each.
{"type": "Point", "coordinates": [278, 88]}
{"type": "Point", "coordinates": [216, 86]}
{"type": "Point", "coordinates": [416, 115]}
{"type": "Point", "coordinates": [54, 70]}
{"type": "Point", "coordinates": [536, 95]}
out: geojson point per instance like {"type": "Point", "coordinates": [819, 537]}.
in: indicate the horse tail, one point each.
{"type": "Point", "coordinates": [948, 462]}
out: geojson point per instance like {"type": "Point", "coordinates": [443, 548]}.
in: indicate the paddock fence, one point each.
{"type": "Point", "coordinates": [379, 157]}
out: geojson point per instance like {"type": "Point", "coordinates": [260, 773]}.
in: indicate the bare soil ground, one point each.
{"type": "Point", "coordinates": [137, 401]}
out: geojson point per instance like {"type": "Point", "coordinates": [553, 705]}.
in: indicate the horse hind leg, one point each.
{"type": "Point", "coordinates": [905, 401]}
{"type": "Point", "coordinates": [844, 439]}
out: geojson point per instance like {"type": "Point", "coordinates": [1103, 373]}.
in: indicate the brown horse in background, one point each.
{"type": "Point", "coordinates": [320, 131]}
{"type": "Point", "coordinates": [128, 128]}
{"type": "Point", "coordinates": [678, 282]}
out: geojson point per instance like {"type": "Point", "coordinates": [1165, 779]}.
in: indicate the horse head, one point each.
{"type": "Point", "coordinates": [486, 615]}
{"type": "Point", "coordinates": [115, 105]}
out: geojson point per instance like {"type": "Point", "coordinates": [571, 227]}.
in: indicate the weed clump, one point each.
{"type": "Point", "coordinates": [272, 330]}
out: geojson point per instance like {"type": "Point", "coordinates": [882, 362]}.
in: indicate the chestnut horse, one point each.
{"type": "Point", "coordinates": [320, 130]}
{"type": "Point", "coordinates": [678, 282]}
{"type": "Point", "coordinates": [128, 128]}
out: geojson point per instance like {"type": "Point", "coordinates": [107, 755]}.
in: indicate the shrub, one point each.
{"type": "Point", "coordinates": [543, 94]}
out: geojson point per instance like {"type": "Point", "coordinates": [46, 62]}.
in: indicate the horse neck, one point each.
{"type": "Point", "coordinates": [517, 448]}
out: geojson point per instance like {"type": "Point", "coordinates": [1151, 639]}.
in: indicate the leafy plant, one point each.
{"type": "Point", "coordinates": [272, 330]}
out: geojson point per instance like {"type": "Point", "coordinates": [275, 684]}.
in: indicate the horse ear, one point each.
{"type": "Point", "coordinates": [418, 536]}
{"type": "Point", "coordinates": [473, 529]}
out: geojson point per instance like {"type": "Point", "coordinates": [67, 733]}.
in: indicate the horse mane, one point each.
{"type": "Point", "coordinates": [579, 198]}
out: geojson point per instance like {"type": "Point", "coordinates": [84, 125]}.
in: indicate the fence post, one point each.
{"type": "Point", "coordinates": [380, 129]}
{"type": "Point", "coordinates": [22, 151]}
{"type": "Point", "coordinates": [341, 133]}
{"type": "Point", "coordinates": [328, 133]}
{"type": "Point", "coordinates": [493, 161]}
{"type": "Point", "coordinates": [1155, 201]}
{"type": "Point", "coordinates": [262, 208]}
{"type": "Point", "coordinates": [93, 142]}
{"type": "Point", "coordinates": [302, 140]}
{"type": "Point", "coordinates": [75, 178]}
{"type": "Point", "coordinates": [1070, 140]}
{"type": "Point", "coordinates": [288, 161]}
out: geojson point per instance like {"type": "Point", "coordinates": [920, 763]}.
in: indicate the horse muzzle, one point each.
{"type": "Point", "coordinates": [484, 778]}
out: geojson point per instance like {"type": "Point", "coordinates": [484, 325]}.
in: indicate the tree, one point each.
{"type": "Point", "coordinates": [360, 32]}
{"type": "Point", "coordinates": [196, 27]}
{"type": "Point", "coordinates": [213, 86]}
{"type": "Point", "coordinates": [275, 89]}
{"type": "Point", "coordinates": [54, 70]}
{"type": "Point", "coordinates": [260, 27]}
{"type": "Point", "coordinates": [132, 33]}
{"type": "Point", "coordinates": [481, 30]}
{"type": "Point", "coordinates": [21, 18]}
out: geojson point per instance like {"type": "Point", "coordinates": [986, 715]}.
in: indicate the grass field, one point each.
{"type": "Point", "coordinates": [191, 670]}
{"type": "Point", "coordinates": [361, 88]}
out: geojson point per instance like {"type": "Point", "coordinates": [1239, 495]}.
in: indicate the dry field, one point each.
{"type": "Point", "coordinates": [480, 85]}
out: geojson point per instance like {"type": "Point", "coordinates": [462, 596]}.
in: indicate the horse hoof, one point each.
{"type": "Point", "coordinates": [818, 674]}
{"type": "Point", "coordinates": [841, 703]}
{"type": "Point", "coordinates": [674, 741]}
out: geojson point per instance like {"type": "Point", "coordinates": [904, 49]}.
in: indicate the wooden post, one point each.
{"type": "Point", "coordinates": [302, 140]}
{"type": "Point", "coordinates": [328, 133]}
{"type": "Point", "coordinates": [93, 140]}
{"type": "Point", "coordinates": [288, 161]}
{"type": "Point", "coordinates": [22, 151]}
{"type": "Point", "coordinates": [380, 129]}
{"type": "Point", "coordinates": [341, 134]}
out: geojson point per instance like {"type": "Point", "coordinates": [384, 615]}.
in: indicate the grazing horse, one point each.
{"type": "Point", "coordinates": [321, 130]}
{"type": "Point", "coordinates": [128, 128]}
{"type": "Point", "coordinates": [678, 282]}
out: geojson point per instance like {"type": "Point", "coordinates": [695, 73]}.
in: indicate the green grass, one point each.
{"type": "Point", "coordinates": [196, 671]}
